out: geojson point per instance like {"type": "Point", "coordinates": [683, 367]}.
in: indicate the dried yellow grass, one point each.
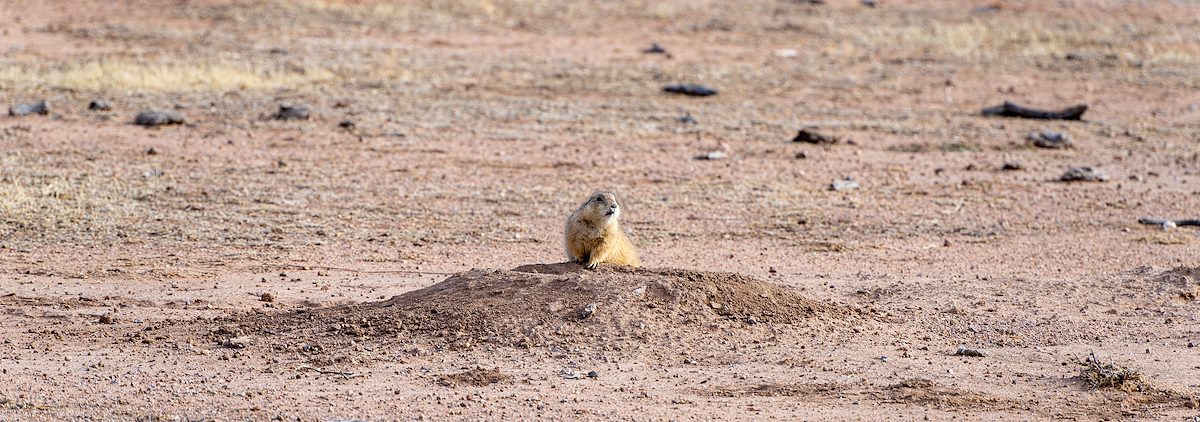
{"type": "Point", "coordinates": [136, 76]}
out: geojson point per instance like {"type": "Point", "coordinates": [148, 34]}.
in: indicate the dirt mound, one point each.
{"type": "Point", "coordinates": [546, 305]}
{"type": "Point", "coordinates": [537, 304]}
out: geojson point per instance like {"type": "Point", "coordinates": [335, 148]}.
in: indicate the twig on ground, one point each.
{"type": "Point", "coordinates": [346, 375]}
{"type": "Point", "coordinates": [1013, 110]}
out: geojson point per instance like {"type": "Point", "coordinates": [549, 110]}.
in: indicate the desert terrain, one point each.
{"type": "Point", "coordinates": [390, 246]}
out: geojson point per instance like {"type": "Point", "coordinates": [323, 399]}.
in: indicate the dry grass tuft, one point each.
{"type": "Point", "coordinates": [125, 75]}
{"type": "Point", "coordinates": [1110, 375]}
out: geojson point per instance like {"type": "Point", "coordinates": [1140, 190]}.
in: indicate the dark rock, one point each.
{"type": "Point", "coordinates": [346, 124]}
{"type": "Point", "coordinates": [1012, 165]}
{"type": "Point", "coordinates": [593, 374]}
{"type": "Point", "coordinates": [25, 109]}
{"type": "Point", "coordinates": [694, 90]}
{"type": "Point", "coordinates": [158, 118]}
{"type": "Point", "coordinates": [967, 351]}
{"type": "Point", "coordinates": [151, 151]}
{"type": "Point", "coordinates": [711, 156]}
{"type": "Point", "coordinates": [811, 137]}
{"type": "Point", "coordinates": [292, 112]}
{"type": "Point", "coordinates": [99, 105]}
{"type": "Point", "coordinates": [686, 119]}
{"type": "Point", "coordinates": [1083, 174]}
{"type": "Point", "coordinates": [1049, 139]}
{"type": "Point", "coordinates": [801, 155]}
{"type": "Point", "coordinates": [107, 319]}
{"type": "Point", "coordinates": [266, 297]}
{"type": "Point", "coordinates": [655, 49]}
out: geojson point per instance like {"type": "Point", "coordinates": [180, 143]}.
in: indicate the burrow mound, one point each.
{"type": "Point", "coordinates": [548, 305]}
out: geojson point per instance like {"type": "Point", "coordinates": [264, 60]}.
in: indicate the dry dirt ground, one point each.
{"type": "Point", "coordinates": [401, 265]}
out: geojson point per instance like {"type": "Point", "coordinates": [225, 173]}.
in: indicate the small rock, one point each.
{"type": "Point", "coordinates": [99, 105]}
{"type": "Point", "coordinates": [346, 124]}
{"type": "Point", "coordinates": [786, 53]}
{"type": "Point", "coordinates": [967, 351]}
{"type": "Point", "coordinates": [694, 90]}
{"type": "Point", "coordinates": [869, 3]}
{"type": "Point", "coordinates": [1168, 225]}
{"type": "Point", "coordinates": [1083, 174]}
{"type": "Point", "coordinates": [686, 119]}
{"type": "Point", "coordinates": [1012, 166]}
{"type": "Point", "coordinates": [884, 358]}
{"type": "Point", "coordinates": [711, 156]}
{"type": "Point", "coordinates": [845, 184]}
{"type": "Point", "coordinates": [25, 109]}
{"type": "Point", "coordinates": [1049, 139]}
{"type": "Point", "coordinates": [151, 151]}
{"type": "Point", "coordinates": [237, 342]}
{"type": "Point", "coordinates": [267, 297]}
{"type": "Point", "coordinates": [292, 112]}
{"type": "Point", "coordinates": [801, 155]}
{"type": "Point", "coordinates": [107, 319]}
{"type": "Point", "coordinates": [810, 137]}
{"type": "Point", "coordinates": [158, 118]}
{"type": "Point", "coordinates": [588, 311]}
{"type": "Point", "coordinates": [570, 374]}
{"type": "Point", "coordinates": [593, 374]}
{"type": "Point", "coordinates": [946, 243]}
{"type": "Point", "coordinates": [714, 305]}
{"type": "Point", "coordinates": [751, 320]}
{"type": "Point", "coordinates": [655, 49]}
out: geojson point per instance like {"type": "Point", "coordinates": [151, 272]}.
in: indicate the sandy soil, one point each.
{"type": "Point", "coordinates": [394, 255]}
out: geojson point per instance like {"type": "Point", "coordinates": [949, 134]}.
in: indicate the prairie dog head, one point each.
{"type": "Point", "coordinates": [603, 206]}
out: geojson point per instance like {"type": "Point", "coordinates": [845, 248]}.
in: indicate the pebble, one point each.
{"type": "Point", "coordinates": [1012, 165]}
{"type": "Point", "coordinates": [593, 374]}
{"type": "Point", "coordinates": [25, 109]}
{"type": "Point", "coordinates": [267, 297]}
{"type": "Point", "coordinates": [292, 112]}
{"type": "Point", "coordinates": [588, 310]}
{"type": "Point", "coordinates": [811, 137]}
{"type": "Point", "coordinates": [711, 156]}
{"type": "Point", "coordinates": [686, 119]}
{"type": "Point", "coordinates": [236, 342]}
{"type": "Point", "coordinates": [786, 53]}
{"type": "Point", "coordinates": [967, 351]}
{"type": "Point", "coordinates": [694, 90]}
{"type": "Point", "coordinates": [655, 48]}
{"type": "Point", "coordinates": [845, 184]}
{"type": "Point", "coordinates": [570, 374]}
{"type": "Point", "coordinates": [158, 118]}
{"type": "Point", "coordinates": [1083, 174]}
{"type": "Point", "coordinates": [99, 105]}
{"type": "Point", "coordinates": [1049, 139]}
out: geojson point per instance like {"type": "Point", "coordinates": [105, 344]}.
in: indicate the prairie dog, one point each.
{"type": "Point", "coordinates": [594, 235]}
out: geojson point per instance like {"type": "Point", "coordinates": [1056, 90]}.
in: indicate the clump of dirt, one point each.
{"type": "Point", "coordinates": [478, 377]}
{"type": "Point", "coordinates": [1184, 282]}
{"type": "Point", "coordinates": [546, 305]}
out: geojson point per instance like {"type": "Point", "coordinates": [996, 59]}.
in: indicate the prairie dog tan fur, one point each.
{"type": "Point", "coordinates": [594, 235]}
